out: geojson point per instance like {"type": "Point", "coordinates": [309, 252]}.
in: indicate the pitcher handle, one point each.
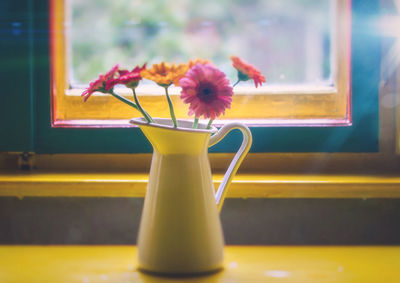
{"type": "Point", "coordinates": [236, 161]}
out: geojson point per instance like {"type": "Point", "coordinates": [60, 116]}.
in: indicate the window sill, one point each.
{"type": "Point", "coordinates": [51, 184]}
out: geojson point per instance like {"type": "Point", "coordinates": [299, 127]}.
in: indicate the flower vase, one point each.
{"type": "Point", "coordinates": [180, 230]}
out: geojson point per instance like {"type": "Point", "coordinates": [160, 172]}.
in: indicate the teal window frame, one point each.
{"type": "Point", "coordinates": [25, 123]}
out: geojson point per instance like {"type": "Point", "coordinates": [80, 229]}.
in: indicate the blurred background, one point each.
{"type": "Point", "coordinates": [288, 40]}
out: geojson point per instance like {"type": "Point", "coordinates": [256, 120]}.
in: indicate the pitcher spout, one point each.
{"type": "Point", "coordinates": [181, 140]}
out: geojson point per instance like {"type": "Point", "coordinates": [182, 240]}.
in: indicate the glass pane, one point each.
{"type": "Point", "coordinates": [288, 40]}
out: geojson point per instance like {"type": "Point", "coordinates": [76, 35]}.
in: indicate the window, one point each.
{"type": "Point", "coordinates": [41, 137]}
{"type": "Point", "coordinates": [290, 40]}
{"type": "Point", "coordinates": [302, 47]}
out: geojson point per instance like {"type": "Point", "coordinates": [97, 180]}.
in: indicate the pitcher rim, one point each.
{"type": "Point", "coordinates": [143, 122]}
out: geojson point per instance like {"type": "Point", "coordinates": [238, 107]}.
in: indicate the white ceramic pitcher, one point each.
{"type": "Point", "coordinates": [180, 230]}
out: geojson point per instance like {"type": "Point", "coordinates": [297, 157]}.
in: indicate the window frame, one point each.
{"type": "Point", "coordinates": [269, 105]}
{"type": "Point", "coordinates": [361, 136]}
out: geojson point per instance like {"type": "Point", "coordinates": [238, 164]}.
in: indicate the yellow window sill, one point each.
{"type": "Point", "coordinates": [50, 184]}
{"type": "Point", "coordinates": [242, 264]}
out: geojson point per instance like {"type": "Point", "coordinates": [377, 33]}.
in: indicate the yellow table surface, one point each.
{"type": "Point", "coordinates": [87, 264]}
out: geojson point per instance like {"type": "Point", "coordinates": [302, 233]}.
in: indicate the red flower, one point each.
{"type": "Point", "coordinates": [130, 79]}
{"type": "Point", "coordinates": [207, 90]}
{"type": "Point", "coordinates": [101, 83]}
{"type": "Point", "coordinates": [247, 71]}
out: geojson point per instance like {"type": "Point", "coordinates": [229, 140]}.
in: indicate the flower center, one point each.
{"type": "Point", "coordinates": [206, 92]}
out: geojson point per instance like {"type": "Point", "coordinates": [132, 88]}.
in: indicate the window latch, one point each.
{"type": "Point", "coordinates": [25, 161]}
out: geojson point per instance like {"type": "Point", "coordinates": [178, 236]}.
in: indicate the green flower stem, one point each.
{"type": "Point", "coordinates": [171, 108]}
{"type": "Point", "coordinates": [140, 108]}
{"type": "Point", "coordinates": [195, 123]}
{"type": "Point", "coordinates": [238, 81]}
{"type": "Point", "coordinates": [123, 99]}
{"type": "Point", "coordinates": [209, 124]}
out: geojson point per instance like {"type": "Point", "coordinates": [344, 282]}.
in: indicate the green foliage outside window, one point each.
{"type": "Point", "coordinates": [288, 39]}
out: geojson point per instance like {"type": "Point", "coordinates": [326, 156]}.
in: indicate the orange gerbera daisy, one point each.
{"type": "Point", "coordinates": [192, 62]}
{"type": "Point", "coordinates": [247, 71]}
{"type": "Point", "coordinates": [165, 74]}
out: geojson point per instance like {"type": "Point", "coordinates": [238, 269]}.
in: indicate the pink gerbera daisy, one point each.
{"type": "Point", "coordinates": [207, 90]}
{"type": "Point", "coordinates": [101, 83]}
{"type": "Point", "coordinates": [129, 78]}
